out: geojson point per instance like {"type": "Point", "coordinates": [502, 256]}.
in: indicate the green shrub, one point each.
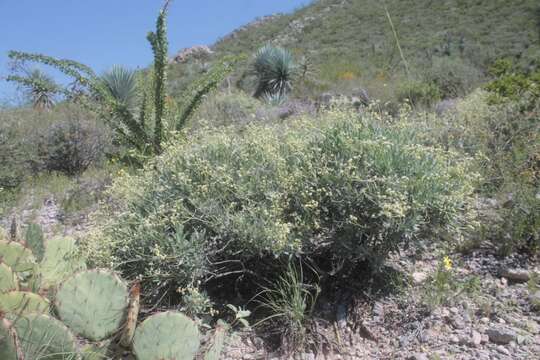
{"type": "Point", "coordinates": [226, 109]}
{"type": "Point", "coordinates": [512, 85]}
{"type": "Point", "coordinates": [521, 226]}
{"type": "Point", "coordinates": [453, 76]}
{"type": "Point", "coordinates": [338, 68]}
{"type": "Point", "coordinates": [12, 157]}
{"type": "Point", "coordinates": [419, 93]}
{"type": "Point", "coordinates": [336, 188]}
{"type": "Point", "coordinates": [504, 140]}
{"type": "Point", "coordinates": [33, 141]}
{"type": "Point", "coordinates": [71, 147]}
{"type": "Point", "coordinates": [501, 67]}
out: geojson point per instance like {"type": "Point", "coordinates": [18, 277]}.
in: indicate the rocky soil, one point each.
{"type": "Point", "coordinates": [499, 319]}
{"type": "Point", "coordinates": [496, 321]}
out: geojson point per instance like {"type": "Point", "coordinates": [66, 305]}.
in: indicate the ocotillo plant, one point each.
{"type": "Point", "coordinates": [141, 129]}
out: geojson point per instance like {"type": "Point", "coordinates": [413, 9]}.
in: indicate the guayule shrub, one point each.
{"type": "Point", "coordinates": [337, 187]}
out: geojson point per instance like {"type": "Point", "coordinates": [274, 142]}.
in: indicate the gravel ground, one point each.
{"type": "Point", "coordinates": [496, 321]}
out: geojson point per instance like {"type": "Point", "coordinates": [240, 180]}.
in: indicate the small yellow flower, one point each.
{"type": "Point", "coordinates": [447, 263]}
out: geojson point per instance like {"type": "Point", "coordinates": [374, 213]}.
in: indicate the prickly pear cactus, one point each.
{"type": "Point", "coordinates": [8, 341]}
{"type": "Point", "coordinates": [16, 256]}
{"type": "Point", "coordinates": [93, 303]}
{"type": "Point", "coordinates": [60, 261]}
{"type": "Point", "coordinates": [23, 302]}
{"type": "Point", "coordinates": [96, 351]}
{"type": "Point", "coordinates": [43, 337]}
{"type": "Point", "coordinates": [167, 335]}
{"type": "Point", "coordinates": [35, 240]}
{"type": "Point", "coordinates": [8, 280]}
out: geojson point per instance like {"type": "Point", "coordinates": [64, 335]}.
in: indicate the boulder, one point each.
{"type": "Point", "coordinates": [501, 335]}
{"type": "Point", "coordinates": [198, 52]}
{"type": "Point", "coordinates": [516, 275]}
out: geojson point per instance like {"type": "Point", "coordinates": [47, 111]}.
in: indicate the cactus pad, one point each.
{"type": "Point", "coordinates": [167, 335]}
{"type": "Point", "coordinates": [96, 351]}
{"type": "Point", "coordinates": [43, 337]}
{"type": "Point", "coordinates": [35, 240]}
{"type": "Point", "coordinates": [60, 261]}
{"type": "Point", "coordinates": [93, 303]}
{"type": "Point", "coordinates": [8, 281]}
{"type": "Point", "coordinates": [23, 302]}
{"type": "Point", "coordinates": [16, 256]}
{"type": "Point", "coordinates": [8, 341]}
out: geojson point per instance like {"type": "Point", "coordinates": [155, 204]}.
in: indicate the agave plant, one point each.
{"type": "Point", "coordinates": [275, 69]}
{"type": "Point", "coordinates": [122, 84]}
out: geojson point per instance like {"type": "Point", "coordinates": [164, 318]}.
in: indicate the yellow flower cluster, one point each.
{"type": "Point", "coordinates": [447, 262]}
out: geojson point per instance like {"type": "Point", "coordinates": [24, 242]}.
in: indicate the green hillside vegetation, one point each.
{"type": "Point", "coordinates": [350, 43]}
{"type": "Point", "coordinates": [481, 30]}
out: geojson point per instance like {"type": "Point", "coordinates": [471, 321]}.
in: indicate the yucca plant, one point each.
{"type": "Point", "coordinates": [39, 87]}
{"type": "Point", "coordinates": [274, 99]}
{"type": "Point", "coordinates": [122, 84]}
{"type": "Point", "coordinates": [275, 69]}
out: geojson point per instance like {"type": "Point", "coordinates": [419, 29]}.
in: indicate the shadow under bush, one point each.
{"type": "Point", "coordinates": [338, 188]}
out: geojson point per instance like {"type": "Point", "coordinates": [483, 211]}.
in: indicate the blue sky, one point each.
{"type": "Point", "coordinates": [101, 33]}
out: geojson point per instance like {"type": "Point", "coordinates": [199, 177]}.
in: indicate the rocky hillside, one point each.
{"type": "Point", "coordinates": [359, 30]}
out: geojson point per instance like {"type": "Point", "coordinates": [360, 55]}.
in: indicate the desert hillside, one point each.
{"type": "Point", "coordinates": [355, 179]}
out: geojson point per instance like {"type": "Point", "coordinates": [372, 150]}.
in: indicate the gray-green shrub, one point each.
{"type": "Point", "coordinates": [72, 146]}
{"type": "Point", "coordinates": [12, 157]}
{"type": "Point", "coordinates": [419, 93]}
{"type": "Point", "coordinates": [504, 140]}
{"type": "Point", "coordinates": [453, 76]}
{"type": "Point", "coordinates": [224, 109]}
{"type": "Point", "coordinates": [338, 187]}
